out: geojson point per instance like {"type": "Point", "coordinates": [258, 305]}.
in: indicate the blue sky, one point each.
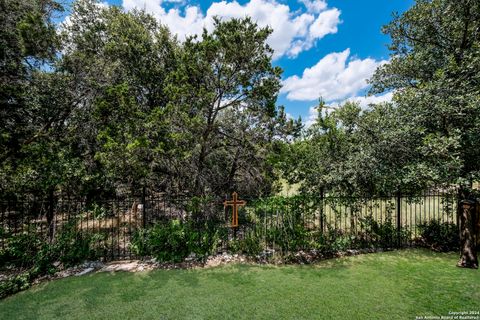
{"type": "Point", "coordinates": [326, 47]}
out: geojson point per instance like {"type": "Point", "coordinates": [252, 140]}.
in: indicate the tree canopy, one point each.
{"type": "Point", "coordinates": [109, 102]}
{"type": "Point", "coordinates": [428, 135]}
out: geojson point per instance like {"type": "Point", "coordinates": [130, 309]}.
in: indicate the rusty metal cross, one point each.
{"type": "Point", "coordinates": [235, 203]}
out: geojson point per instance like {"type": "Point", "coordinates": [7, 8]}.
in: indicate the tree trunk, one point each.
{"type": "Point", "coordinates": [467, 219]}
{"type": "Point", "coordinates": [478, 225]}
{"type": "Point", "coordinates": [50, 215]}
{"type": "Point", "coordinates": [199, 186]}
{"type": "Point", "coordinates": [229, 185]}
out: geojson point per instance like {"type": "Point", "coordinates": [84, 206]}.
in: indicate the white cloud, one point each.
{"type": "Point", "coordinates": [364, 102]}
{"type": "Point", "coordinates": [314, 6]}
{"type": "Point", "coordinates": [368, 100]}
{"type": "Point", "coordinates": [325, 23]}
{"type": "Point", "coordinates": [334, 77]}
{"type": "Point", "coordinates": [293, 31]}
{"type": "Point", "coordinates": [312, 116]}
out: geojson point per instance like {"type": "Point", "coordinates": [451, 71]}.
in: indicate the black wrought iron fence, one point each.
{"type": "Point", "coordinates": [277, 223]}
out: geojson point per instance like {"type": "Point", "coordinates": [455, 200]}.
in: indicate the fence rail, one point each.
{"type": "Point", "coordinates": [282, 224]}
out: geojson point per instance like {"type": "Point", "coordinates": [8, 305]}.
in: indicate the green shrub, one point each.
{"type": "Point", "coordinates": [174, 240]}
{"type": "Point", "coordinates": [440, 236]}
{"type": "Point", "coordinates": [20, 250]}
{"type": "Point", "coordinates": [139, 243]}
{"type": "Point", "coordinates": [334, 240]}
{"type": "Point", "coordinates": [342, 243]}
{"type": "Point", "coordinates": [283, 219]}
{"type": "Point", "coordinates": [15, 284]}
{"type": "Point", "coordinates": [168, 241]}
{"type": "Point", "coordinates": [44, 259]}
{"type": "Point", "coordinates": [72, 247]}
{"type": "Point", "coordinates": [250, 245]}
{"type": "Point", "coordinates": [29, 251]}
{"type": "Point", "coordinates": [384, 235]}
{"type": "Point", "coordinates": [204, 236]}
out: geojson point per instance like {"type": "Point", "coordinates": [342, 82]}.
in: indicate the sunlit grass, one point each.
{"type": "Point", "coordinates": [391, 285]}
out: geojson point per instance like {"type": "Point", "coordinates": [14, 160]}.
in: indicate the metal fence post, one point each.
{"type": "Point", "coordinates": [144, 218]}
{"type": "Point", "coordinates": [322, 196]}
{"type": "Point", "coordinates": [50, 214]}
{"type": "Point", "coordinates": [399, 212]}
{"type": "Point", "coordinates": [459, 198]}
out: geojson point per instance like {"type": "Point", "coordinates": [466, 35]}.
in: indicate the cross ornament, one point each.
{"type": "Point", "coordinates": [235, 203]}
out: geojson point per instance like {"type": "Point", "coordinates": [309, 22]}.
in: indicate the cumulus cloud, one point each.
{"type": "Point", "coordinates": [312, 116]}
{"type": "Point", "coordinates": [293, 31]}
{"type": "Point", "coordinates": [334, 77]}
{"type": "Point", "coordinates": [365, 101]}
{"type": "Point", "coordinates": [314, 6]}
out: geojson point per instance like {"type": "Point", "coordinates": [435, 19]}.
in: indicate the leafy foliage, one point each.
{"type": "Point", "coordinates": [34, 255]}
{"type": "Point", "coordinates": [174, 240]}
{"type": "Point", "coordinates": [434, 50]}
{"type": "Point", "coordinates": [15, 284]}
{"type": "Point", "coordinates": [111, 101]}
{"type": "Point", "coordinates": [250, 245]}
{"type": "Point", "coordinates": [280, 221]}
{"type": "Point", "coordinates": [428, 135]}
{"type": "Point", "coordinates": [32, 250]}
{"type": "Point", "coordinates": [440, 236]}
{"type": "Point", "coordinates": [383, 235]}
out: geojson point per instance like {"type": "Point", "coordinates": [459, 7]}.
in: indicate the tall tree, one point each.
{"type": "Point", "coordinates": [31, 97]}
{"type": "Point", "coordinates": [119, 63]}
{"type": "Point", "coordinates": [226, 78]}
{"type": "Point", "coordinates": [434, 72]}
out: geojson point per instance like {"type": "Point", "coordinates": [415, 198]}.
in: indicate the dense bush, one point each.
{"type": "Point", "coordinates": [15, 284]}
{"type": "Point", "coordinates": [334, 240]}
{"type": "Point", "coordinates": [34, 255]}
{"type": "Point", "coordinates": [174, 240]}
{"type": "Point", "coordinates": [30, 249]}
{"type": "Point", "coordinates": [283, 219]}
{"type": "Point", "coordinates": [169, 241]}
{"type": "Point", "coordinates": [20, 250]}
{"type": "Point", "coordinates": [288, 237]}
{"type": "Point", "coordinates": [250, 245]}
{"type": "Point", "coordinates": [72, 247]}
{"type": "Point", "coordinates": [384, 235]}
{"type": "Point", "coordinates": [439, 236]}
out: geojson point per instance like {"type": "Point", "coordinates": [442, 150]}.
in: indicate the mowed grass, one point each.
{"type": "Point", "coordinates": [390, 285]}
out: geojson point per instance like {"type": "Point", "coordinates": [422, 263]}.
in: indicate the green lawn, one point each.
{"type": "Point", "coordinates": [392, 285]}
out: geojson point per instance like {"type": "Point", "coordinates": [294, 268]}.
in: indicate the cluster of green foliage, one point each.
{"type": "Point", "coordinates": [290, 224]}
{"type": "Point", "coordinates": [174, 240]}
{"type": "Point", "coordinates": [34, 255]}
{"type": "Point", "coordinates": [439, 236]}
{"type": "Point", "coordinates": [16, 283]}
{"type": "Point", "coordinates": [251, 245]}
{"type": "Point", "coordinates": [427, 135]}
{"type": "Point", "coordinates": [110, 101]}
{"type": "Point", "coordinates": [280, 221]}
{"type": "Point", "coordinates": [33, 250]}
{"type": "Point", "coordinates": [382, 235]}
